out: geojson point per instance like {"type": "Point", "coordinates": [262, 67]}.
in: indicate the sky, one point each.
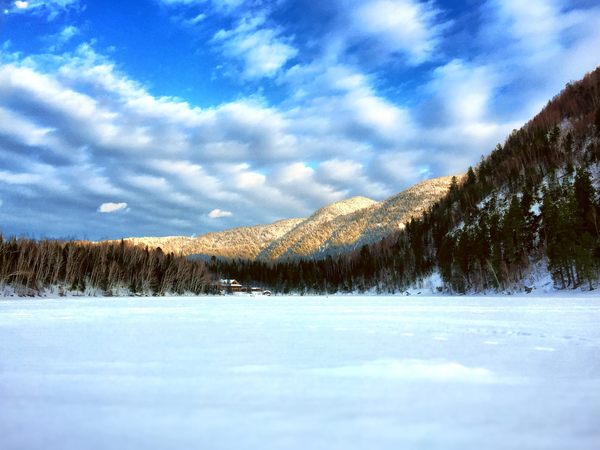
{"type": "Point", "coordinates": [180, 117]}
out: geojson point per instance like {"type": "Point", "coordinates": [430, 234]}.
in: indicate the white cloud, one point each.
{"type": "Point", "coordinates": [219, 213]}
{"type": "Point", "coordinates": [183, 2]}
{"type": "Point", "coordinates": [221, 6]}
{"type": "Point", "coordinates": [198, 18]}
{"type": "Point", "coordinates": [401, 26]}
{"type": "Point", "coordinates": [303, 180]}
{"type": "Point", "coordinates": [376, 30]}
{"type": "Point", "coordinates": [60, 39]}
{"type": "Point", "coordinates": [403, 168]}
{"type": "Point", "coordinates": [17, 126]}
{"type": "Point", "coordinates": [108, 208]}
{"type": "Point", "coordinates": [350, 176]}
{"type": "Point", "coordinates": [464, 91]}
{"type": "Point", "coordinates": [263, 50]}
{"type": "Point", "coordinates": [228, 5]}
{"type": "Point", "coordinates": [68, 32]}
{"type": "Point", "coordinates": [248, 180]}
{"type": "Point", "coordinates": [339, 170]}
{"type": "Point", "coordinates": [536, 24]}
{"type": "Point", "coordinates": [19, 178]}
{"type": "Point", "coordinates": [45, 8]}
{"type": "Point", "coordinates": [340, 101]}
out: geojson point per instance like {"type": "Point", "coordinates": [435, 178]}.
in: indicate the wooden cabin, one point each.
{"type": "Point", "coordinates": [230, 285]}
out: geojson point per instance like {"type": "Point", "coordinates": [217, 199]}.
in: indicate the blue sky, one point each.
{"type": "Point", "coordinates": [178, 117]}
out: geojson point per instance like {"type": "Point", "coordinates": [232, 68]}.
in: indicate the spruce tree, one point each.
{"type": "Point", "coordinates": [586, 204]}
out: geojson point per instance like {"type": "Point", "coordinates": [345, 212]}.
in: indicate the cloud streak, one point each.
{"type": "Point", "coordinates": [111, 208]}
{"type": "Point", "coordinates": [219, 213]}
{"type": "Point", "coordinates": [49, 9]}
{"type": "Point", "coordinates": [406, 27]}
{"type": "Point", "coordinates": [262, 49]}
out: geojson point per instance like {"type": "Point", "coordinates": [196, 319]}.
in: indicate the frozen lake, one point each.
{"type": "Point", "coordinates": [300, 373]}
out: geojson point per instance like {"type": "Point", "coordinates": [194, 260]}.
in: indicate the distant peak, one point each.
{"type": "Point", "coordinates": [346, 206]}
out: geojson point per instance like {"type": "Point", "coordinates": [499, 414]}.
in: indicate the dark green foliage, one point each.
{"type": "Point", "coordinates": [587, 207]}
{"type": "Point", "coordinates": [471, 178]}
{"type": "Point", "coordinates": [569, 212]}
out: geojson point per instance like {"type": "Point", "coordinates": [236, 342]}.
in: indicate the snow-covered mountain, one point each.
{"type": "Point", "coordinates": [308, 237]}
{"type": "Point", "coordinates": [241, 242]}
{"type": "Point", "coordinates": [332, 229]}
{"type": "Point", "coordinates": [324, 233]}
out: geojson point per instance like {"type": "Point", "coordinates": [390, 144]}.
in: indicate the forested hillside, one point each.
{"type": "Point", "coordinates": [336, 228]}
{"type": "Point", "coordinates": [29, 267]}
{"type": "Point", "coordinates": [241, 242]}
{"type": "Point", "coordinates": [320, 236]}
{"type": "Point", "coordinates": [533, 201]}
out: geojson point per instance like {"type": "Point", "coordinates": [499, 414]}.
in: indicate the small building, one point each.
{"type": "Point", "coordinates": [230, 285]}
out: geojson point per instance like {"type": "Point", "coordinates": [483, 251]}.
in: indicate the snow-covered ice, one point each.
{"type": "Point", "coordinates": [300, 373]}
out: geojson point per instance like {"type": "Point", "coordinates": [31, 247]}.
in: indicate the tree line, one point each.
{"type": "Point", "coordinates": [30, 266]}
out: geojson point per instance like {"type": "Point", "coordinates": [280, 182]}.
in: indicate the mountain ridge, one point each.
{"type": "Point", "coordinates": [332, 229]}
{"type": "Point", "coordinates": [239, 242]}
{"type": "Point", "coordinates": [363, 226]}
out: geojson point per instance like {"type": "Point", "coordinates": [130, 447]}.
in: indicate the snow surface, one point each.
{"type": "Point", "coordinates": [300, 373]}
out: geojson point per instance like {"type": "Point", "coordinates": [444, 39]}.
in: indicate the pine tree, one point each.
{"type": "Point", "coordinates": [471, 177]}
{"type": "Point", "coordinates": [586, 204]}
{"type": "Point", "coordinates": [584, 259]}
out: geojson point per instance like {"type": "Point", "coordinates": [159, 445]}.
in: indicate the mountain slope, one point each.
{"type": "Point", "coordinates": [241, 242]}
{"type": "Point", "coordinates": [335, 228]}
{"type": "Point", "coordinates": [387, 217]}
{"type": "Point", "coordinates": [325, 233]}
{"type": "Point", "coordinates": [307, 237]}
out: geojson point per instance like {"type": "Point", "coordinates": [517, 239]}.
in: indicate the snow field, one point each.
{"type": "Point", "coordinates": [300, 373]}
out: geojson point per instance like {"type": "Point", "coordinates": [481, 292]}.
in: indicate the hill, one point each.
{"type": "Point", "coordinates": [325, 233]}
{"type": "Point", "coordinates": [531, 206]}
{"type": "Point", "coordinates": [336, 228]}
{"type": "Point", "coordinates": [241, 242]}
